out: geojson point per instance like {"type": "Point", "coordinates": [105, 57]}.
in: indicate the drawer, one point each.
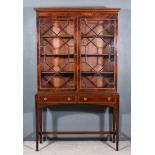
{"type": "Point", "coordinates": [97, 99]}
{"type": "Point", "coordinates": [58, 99]}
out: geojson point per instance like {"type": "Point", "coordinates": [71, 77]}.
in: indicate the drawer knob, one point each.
{"type": "Point", "coordinates": [85, 98]}
{"type": "Point", "coordinates": [45, 98]}
{"type": "Point", "coordinates": [69, 99]}
{"type": "Point", "coordinates": [109, 98]}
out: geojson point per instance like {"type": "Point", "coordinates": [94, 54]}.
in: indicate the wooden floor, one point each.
{"type": "Point", "coordinates": [77, 148]}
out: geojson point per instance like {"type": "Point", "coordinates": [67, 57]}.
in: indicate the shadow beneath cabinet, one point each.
{"type": "Point", "coordinates": [41, 146]}
{"type": "Point", "coordinates": [113, 145]}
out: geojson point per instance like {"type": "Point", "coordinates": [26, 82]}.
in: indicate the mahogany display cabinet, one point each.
{"type": "Point", "coordinates": [77, 62]}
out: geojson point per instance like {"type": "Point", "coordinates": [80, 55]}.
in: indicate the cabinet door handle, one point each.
{"type": "Point", "coordinates": [85, 98]}
{"type": "Point", "coordinates": [69, 99]}
{"type": "Point", "coordinates": [109, 98]}
{"type": "Point", "coordinates": [45, 98]}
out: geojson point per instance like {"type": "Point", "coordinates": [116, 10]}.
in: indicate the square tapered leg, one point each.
{"type": "Point", "coordinates": [114, 134]}
{"type": "Point", "coordinates": [40, 116]}
{"type": "Point", "coordinates": [117, 129]}
{"type": "Point", "coordinates": [37, 122]}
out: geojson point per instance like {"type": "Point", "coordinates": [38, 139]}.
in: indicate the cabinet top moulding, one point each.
{"type": "Point", "coordinates": [81, 9]}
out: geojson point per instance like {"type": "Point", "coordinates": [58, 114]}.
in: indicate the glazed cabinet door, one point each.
{"type": "Point", "coordinates": [97, 52]}
{"type": "Point", "coordinates": [57, 56]}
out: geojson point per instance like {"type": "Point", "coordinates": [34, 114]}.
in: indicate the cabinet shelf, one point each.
{"type": "Point", "coordinates": [97, 36]}
{"type": "Point", "coordinates": [57, 73]}
{"type": "Point", "coordinates": [83, 73]}
{"type": "Point", "coordinates": [57, 55]}
{"type": "Point", "coordinates": [97, 73]}
{"type": "Point", "coordinates": [61, 37]}
{"type": "Point", "coordinates": [91, 55]}
{"type": "Point", "coordinates": [71, 55]}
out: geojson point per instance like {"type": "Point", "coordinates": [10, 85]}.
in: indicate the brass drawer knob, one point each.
{"type": "Point", "coordinates": [45, 98]}
{"type": "Point", "coordinates": [109, 98]}
{"type": "Point", "coordinates": [85, 98]}
{"type": "Point", "coordinates": [69, 99]}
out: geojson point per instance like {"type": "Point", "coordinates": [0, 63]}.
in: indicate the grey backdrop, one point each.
{"type": "Point", "coordinates": [76, 118]}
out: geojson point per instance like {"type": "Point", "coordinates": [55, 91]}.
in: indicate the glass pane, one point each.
{"type": "Point", "coordinates": [97, 54]}
{"type": "Point", "coordinates": [57, 53]}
